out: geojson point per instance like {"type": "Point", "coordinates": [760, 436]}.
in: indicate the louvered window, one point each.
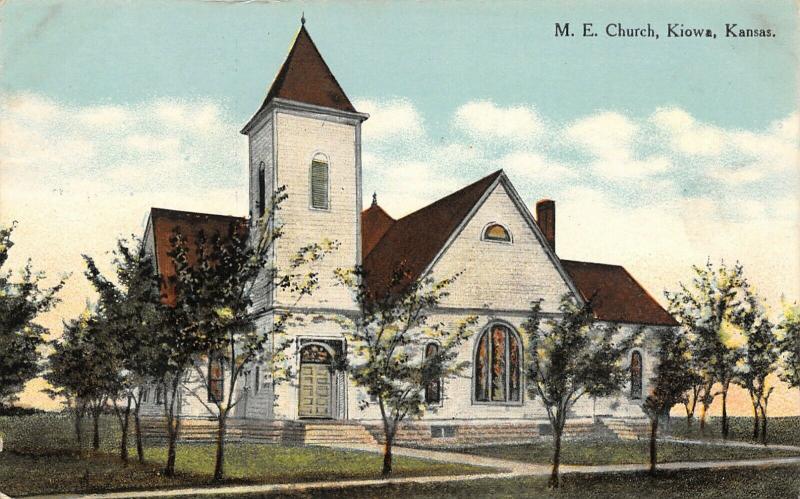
{"type": "Point", "coordinates": [262, 190]}
{"type": "Point", "coordinates": [319, 183]}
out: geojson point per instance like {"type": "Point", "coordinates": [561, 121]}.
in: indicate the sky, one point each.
{"type": "Point", "coordinates": [659, 153]}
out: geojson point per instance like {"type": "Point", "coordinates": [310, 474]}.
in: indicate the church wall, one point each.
{"type": "Point", "coordinates": [299, 139]}
{"type": "Point", "coordinates": [261, 150]}
{"type": "Point", "coordinates": [499, 275]}
{"type": "Point", "coordinates": [457, 392]}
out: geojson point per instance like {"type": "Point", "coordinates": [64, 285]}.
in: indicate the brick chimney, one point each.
{"type": "Point", "coordinates": [546, 218]}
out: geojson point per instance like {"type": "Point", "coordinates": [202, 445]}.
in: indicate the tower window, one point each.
{"type": "Point", "coordinates": [319, 182]}
{"type": "Point", "coordinates": [262, 190]}
{"type": "Point", "coordinates": [496, 232]}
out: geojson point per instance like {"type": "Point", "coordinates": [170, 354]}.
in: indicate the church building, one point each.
{"type": "Point", "coordinates": [307, 137]}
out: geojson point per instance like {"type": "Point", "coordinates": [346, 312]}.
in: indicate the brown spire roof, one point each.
{"type": "Point", "coordinates": [305, 77]}
{"type": "Point", "coordinates": [416, 239]}
{"type": "Point", "coordinates": [618, 297]}
{"type": "Point", "coordinates": [374, 224]}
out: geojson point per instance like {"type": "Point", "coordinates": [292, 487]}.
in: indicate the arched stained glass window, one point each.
{"type": "Point", "coordinates": [497, 366]}
{"type": "Point", "coordinates": [496, 232]}
{"type": "Point", "coordinates": [433, 391]}
{"type": "Point", "coordinates": [636, 375]}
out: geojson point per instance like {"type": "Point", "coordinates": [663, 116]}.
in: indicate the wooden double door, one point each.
{"type": "Point", "coordinates": [316, 391]}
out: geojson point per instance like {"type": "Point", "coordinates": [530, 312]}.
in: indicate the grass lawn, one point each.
{"type": "Point", "coordinates": [619, 452]}
{"type": "Point", "coordinates": [750, 483]}
{"type": "Point", "coordinates": [40, 457]}
{"type": "Point", "coordinates": [784, 430]}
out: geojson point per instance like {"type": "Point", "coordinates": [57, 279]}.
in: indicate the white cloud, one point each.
{"type": "Point", "coordinates": [534, 166]}
{"type": "Point", "coordinates": [485, 120]}
{"type": "Point", "coordinates": [397, 119]}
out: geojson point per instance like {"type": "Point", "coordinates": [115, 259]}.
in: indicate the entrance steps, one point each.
{"type": "Point", "coordinates": [628, 429]}
{"type": "Point", "coordinates": [336, 433]}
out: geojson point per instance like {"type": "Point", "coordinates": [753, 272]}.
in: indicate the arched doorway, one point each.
{"type": "Point", "coordinates": [316, 382]}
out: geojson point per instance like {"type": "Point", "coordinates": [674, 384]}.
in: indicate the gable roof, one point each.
{"type": "Point", "coordinates": [417, 238]}
{"type": "Point", "coordinates": [618, 297]}
{"type": "Point", "coordinates": [160, 226]}
{"type": "Point", "coordinates": [374, 224]}
{"type": "Point", "coordinates": [305, 77]}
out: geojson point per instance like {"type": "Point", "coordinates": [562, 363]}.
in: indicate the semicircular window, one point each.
{"type": "Point", "coordinates": [496, 232]}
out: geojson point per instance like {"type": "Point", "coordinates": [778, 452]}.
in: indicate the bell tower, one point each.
{"type": "Point", "coordinates": [306, 136]}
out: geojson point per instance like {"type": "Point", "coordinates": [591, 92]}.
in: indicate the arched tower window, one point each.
{"type": "Point", "coordinates": [498, 366]}
{"type": "Point", "coordinates": [433, 391]}
{"type": "Point", "coordinates": [496, 232]}
{"type": "Point", "coordinates": [636, 375]}
{"type": "Point", "coordinates": [262, 190]}
{"type": "Point", "coordinates": [319, 182]}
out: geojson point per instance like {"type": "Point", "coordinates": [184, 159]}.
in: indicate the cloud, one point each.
{"type": "Point", "coordinates": [487, 121]}
{"type": "Point", "coordinates": [534, 166]}
{"type": "Point", "coordinates": [392, 119]}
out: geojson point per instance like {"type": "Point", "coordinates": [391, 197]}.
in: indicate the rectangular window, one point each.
{"type": "Point", "coordinates": [159, 394]}
{"type": "Point", "coordinates": [258, 379]}
{"type": "Point", "coordinates": [443, 431]}
{"type": "Point", "coordinates": [319, 185]}
{"type": "Point", "coordinates": [262, 190]}
{"type": "Point", "coordinates": [216, 380]}
{"type": "Point", "coordinates": [144, 394]}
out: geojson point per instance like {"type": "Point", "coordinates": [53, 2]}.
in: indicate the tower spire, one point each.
{"type": "Point", "coordinates": [303, 18]}
{"type": "Point", "coordinates": [374, 199]}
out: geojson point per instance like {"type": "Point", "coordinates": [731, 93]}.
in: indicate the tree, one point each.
{"type": "Point", "coordinates": [20, 337]}
{"type": "Point", "coordinates": [705, 309]}
{"type": "Point", "coordinates": [569, 357]}
{"type": "Point", "coordinates": [133, 310]}
{"type": "Point", "coordinates": [389, 339]}
{"type": "Point", "coordinates": [789, 344]}
{"type": "Point", "coordinates": [669, 384]}
{"type": "Point", "coordinates": [760, 357]}
{"type": "Point", "coordinates": [81, 368]}
{"type": "Point", "coordinates": [214, 283]}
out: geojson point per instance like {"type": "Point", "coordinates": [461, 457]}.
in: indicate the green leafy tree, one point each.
{"type": "Point", "coordinates": [789, 344]}
{"type": "Point", "coordinates": [705, 309]}
{"type": "Point", "coordinates": [133, 311]}
{"type": "Point", "coordinates": [669, 384]}
{"type": "Point", "coordinates": [569, 357]}
{"type": "Point", "coordinates": [388, 340]}
{"type": "Point", "coordinates": [21, 301]}
{"type": "Point", "coordinates": [759, 359]}
{"type": "Point", "coordinates": [82, 368]}
{"type": "Point", "coordinates": [215, 289]}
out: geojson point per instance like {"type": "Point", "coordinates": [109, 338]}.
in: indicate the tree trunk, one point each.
{"type": "Point", "coordinates": [556, 457]}
{"type": "Point", "coordinates": [764, 424]}
{"type": "Point", "coordinates": [137, 425]}
{"type": "Point", "coordinates": [173, 426]}
{"type": "Point", "coordinates": [96, 423]}
{"type": "Point", "coordinates": [653, 448]}
{"type": "Point", "coordinates": [79, 428]}
{"type": "Point", "coordinates": [755, 422]}
{"type": "Point", "coordinates": [725, 411]}
{"type": "Point", "coordinates": [389, 432]}
{"type": "Point", "coordinates": [219, 467]}
{"type": "Point", "coordinates": [703, 412]}
{"type": "Point", "coordinates": [123, 445]}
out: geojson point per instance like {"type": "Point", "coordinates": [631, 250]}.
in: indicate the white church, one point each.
{"type": "Point", "coordinates": [306, 136]}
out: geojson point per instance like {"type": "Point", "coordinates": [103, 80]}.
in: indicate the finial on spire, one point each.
{"type": "Point", "coordinates": [303, 18]}
{"type": "Point", "coordinates": [374, 199]}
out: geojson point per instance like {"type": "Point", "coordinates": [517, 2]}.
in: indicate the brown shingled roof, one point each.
{"type": "Point", "coordinates": [163, 222]}
{"type": "Point", "coordinates": [618, 297]}
{"type": "Point", "coordinates": [374, 224]}
{"type": "Point", "coordinates": [416, 239]}
{"type": "Point", "coordinates": [305, 77]}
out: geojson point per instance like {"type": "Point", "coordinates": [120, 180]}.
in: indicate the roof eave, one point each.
{"type": "Point", "coordinates": [278, 103]}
